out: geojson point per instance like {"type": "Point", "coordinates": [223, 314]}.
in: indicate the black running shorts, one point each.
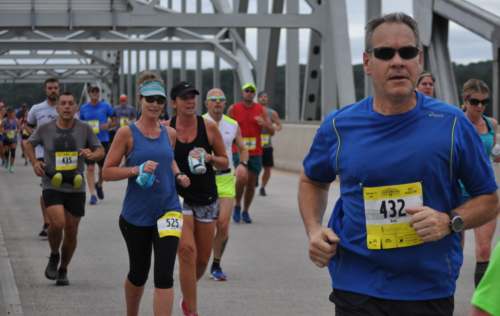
{"type": "Point", "coordinates": [267, 157]}
{"type": "Point", "coordinates": [72, 202]}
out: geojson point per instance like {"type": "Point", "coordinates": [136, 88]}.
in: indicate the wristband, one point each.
{"type": "Point", "coordinates": [244, 163]}
{"type": "Point", "coordinates": [133, 171]}
{"type": "Point", "coordinates": [212, 161]}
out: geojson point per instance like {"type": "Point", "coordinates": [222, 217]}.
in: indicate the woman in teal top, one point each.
{"type": "Point", "coordinates": [475, 96]}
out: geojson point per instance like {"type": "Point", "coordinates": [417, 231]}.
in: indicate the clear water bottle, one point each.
{"type": "Point", "coordinates": [495, 152]}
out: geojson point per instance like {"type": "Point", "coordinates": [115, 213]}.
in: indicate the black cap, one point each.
{"type": "Point", "coordinates": [93, 87]}
{"type": "Point", "coordinates": [181, 88]}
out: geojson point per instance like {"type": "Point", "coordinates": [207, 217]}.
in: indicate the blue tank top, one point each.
{"type": "Point", "coordinates": [10, 131]}
{"type": "Point", "coordinates": [488, 141]}
{"type": "Point", "coordinates": [144, 207]}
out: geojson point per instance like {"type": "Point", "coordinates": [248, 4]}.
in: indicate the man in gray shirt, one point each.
{"type": "Point", "coordinates": [66, 141]}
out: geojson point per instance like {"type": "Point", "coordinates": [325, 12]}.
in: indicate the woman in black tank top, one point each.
{"type": "Point", "coordinates": [200, 207]}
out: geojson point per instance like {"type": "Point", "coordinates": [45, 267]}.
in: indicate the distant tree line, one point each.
{"type": "Point", "coordinates": [16, 94]}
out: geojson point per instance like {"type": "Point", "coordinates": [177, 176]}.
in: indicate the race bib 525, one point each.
{"type": "Point", "coordinates": [170, 224]}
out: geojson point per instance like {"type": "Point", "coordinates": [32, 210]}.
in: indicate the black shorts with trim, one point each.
{"type": "Point", "coordinates": [355, 304]}
{"type": "Point", "coordinates": [24, 137]}
{"type": "Point", "coordinates": [99, 162]}
{"type": "Point", "coordinates": [73, 202]}
{"type": "Point", "coordinates": [8, 143]}
{"type": "Point", "coordinates": [267, 157]}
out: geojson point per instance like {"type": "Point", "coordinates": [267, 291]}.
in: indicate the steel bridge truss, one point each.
{"type": "Point", "coordinates": [92, 40]}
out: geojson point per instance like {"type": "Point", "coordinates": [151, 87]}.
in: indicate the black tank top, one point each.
{"type": "Point", "coordinates": [203, 190]}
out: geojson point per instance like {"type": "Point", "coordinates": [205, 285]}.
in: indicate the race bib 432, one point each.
{"type": "Point", "coordinates": [386, 220]}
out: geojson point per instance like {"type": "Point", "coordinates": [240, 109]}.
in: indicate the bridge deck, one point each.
{"type": "Point", "coordinates": [266, 262]}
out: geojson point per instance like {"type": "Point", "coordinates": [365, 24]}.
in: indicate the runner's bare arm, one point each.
{"type": "Point", "coordinates": [230, 112]}
{"type": "Point", "coordinates": [217, 143]}
{"type": "Point", "coordinates": [243, 152]}
{"type": "Point", "coordinates": [476, 311]}
{"type": "Point", "coordinates": [313, 199]}
{"type": "Point", "coordinates": [120, 147]}
{"type": "Point", "coordinates": [277, 121]}
{"type": "Point", "coordinates": [37, 165]}
{"type": "Point", "coordinates": [2, 125]}
{"type": "Point", "coordinates": [432, 225]}
{"type": "Point", "coordinates": [495, 128]}
{"type": "Point", "coordinates": [268, 126]}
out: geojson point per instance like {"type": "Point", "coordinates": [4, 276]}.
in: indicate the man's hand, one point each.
{"type": "Point", "coordinates": [87, 153]}
{"type": "Point", "coordinates": [259, 119]}
{"type": "Point", "coordinates": [429, 224]}
{"type": "Point", "coordinates": [38, 167]}
{"type": "Point", "coordinates": [240, 171]}
{"type": "Point", "coordinates": [322, 245]}
{"type": "Point", "coordinates": [104, 127]}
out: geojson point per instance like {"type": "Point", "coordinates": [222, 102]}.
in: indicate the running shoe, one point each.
{"type": "Point", "coordinates": [43, 233]}
{"type": "Point", "coordinates": [262, 192]}
{"type": "Point", "coordinates": [6, 165]}
{"type": "Point", "coordinates": [237, 214]}
{"type": "Point", "coordinates": [93, 200]}
{"type": "Point", "coordinates": [100, 194]}
{"type": "Point", "coordinates": [218, 274]}
{"type": "Point", "coordinates": [246, 217]}
{"type": "Point", "coordinates": [11, 170]}
{"type": "Point", "coordinates": [51, 270]}
{"type": "Point", "coordinates": [62, 278]}
{"type": "Point", "coordinates": [26, 163]}
{"type": "Point", "coordinates": [182, 306]}
{"type": "Point", "coordinates": [3, 163]}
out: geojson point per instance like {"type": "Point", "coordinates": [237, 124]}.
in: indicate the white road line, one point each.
{"type": "Point", "coordinates": [9, 288]}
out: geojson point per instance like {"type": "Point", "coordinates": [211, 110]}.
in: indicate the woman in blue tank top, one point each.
{"type": "Point", "coordinates": [475, 96]}
{"type": "Point", "coordinates": [151, 216]}
{"type": "Point", "coordinates": [10, 128]}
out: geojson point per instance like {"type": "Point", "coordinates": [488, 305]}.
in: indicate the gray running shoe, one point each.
{"type": "Point", "coordinates": [62, 278]}
{"type": "Point", "coordinates": [51, 270]}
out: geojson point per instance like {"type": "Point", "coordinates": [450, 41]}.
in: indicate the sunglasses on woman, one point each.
{"type": "Point", "coordinates": [387, 53]}
{"type": "Point", "coordinates": [475, 102]}
{"type": "Point", "coordinates": [151, 99]}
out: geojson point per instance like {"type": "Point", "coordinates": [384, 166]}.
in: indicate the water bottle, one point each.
{"type": "Point", "coordinates": [495, 151]}
{"type": "Point", "coordinates": [197, 166]}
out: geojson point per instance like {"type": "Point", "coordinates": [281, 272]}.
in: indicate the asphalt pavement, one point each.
{"type": "Point", "coordinates": [267, 263]}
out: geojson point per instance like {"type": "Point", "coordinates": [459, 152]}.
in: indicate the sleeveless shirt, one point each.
{"type": "Point", "coordinates": [264, 136]}
{"type": "Point", "coordinates": [10, 134]}
{"type": "Point", "coordinates": [229, 129]}
{"type": "Point", "coordinates": [250, 128]}
{"type": "Point", "coordinates": [202, 190]}
{"type": "Point", "coordinates": [144, 207]}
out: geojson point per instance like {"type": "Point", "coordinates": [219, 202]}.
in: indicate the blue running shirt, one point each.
{"type": "Point", "coordinates": [433, 145]}
{"type": "Point", "coordinates": [96, 115]}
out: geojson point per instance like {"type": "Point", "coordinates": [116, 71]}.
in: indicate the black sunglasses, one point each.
{"type": "Point", "coordinates": [475, 102]}
{"type": "Point", "coordinates": [151, 99]}
{"type": "Point", "coordinates": [95, 90]}
{"type": "Point", "coordinates": [249, 91]}
{"type": "Point", "coordinates": [387, 53]}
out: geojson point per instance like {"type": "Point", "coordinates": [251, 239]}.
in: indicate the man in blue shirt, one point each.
{"type": "Point", "coordinates": [392, 245]}
{"type": "Point", "coordinates": [97, 113]}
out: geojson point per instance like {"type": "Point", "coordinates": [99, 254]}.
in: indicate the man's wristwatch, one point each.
{"type": "Point", "coordinates": [244, 163]}
{"type": "Point", "coordinates": [456, 222]}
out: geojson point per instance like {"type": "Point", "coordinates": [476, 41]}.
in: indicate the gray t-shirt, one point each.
{"type": "Point", "coordinates": [62, 149]}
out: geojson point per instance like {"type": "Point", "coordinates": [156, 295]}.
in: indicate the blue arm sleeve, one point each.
{"type": "Point", "coordinates": [317, 164]}
{"type": "Point", "coordinates": [474, 164]}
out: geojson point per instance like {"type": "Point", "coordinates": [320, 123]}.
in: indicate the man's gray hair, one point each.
{"type": "Point", "coordinates": [397, 17]}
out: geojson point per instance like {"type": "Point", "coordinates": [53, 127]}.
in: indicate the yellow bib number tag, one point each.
{"type": "Point", "coordinates": [386, 220]}
{"type": "Point", "coordinates": [264, 138]}
{"type": "Point", "coordinates": [95, 126]}
{"type": "Point", "coordinates": [123, 121]}
{"type": "Point", "coordinates": [170, 224]}
{"type": "Point", "coordinates": [25, 132]}
{"type": "Point", "coordinates": [66, 160]}
{"type": "Point", "coordinates": [11, 134]}
{"type": "Point", "coordinates": [250, 143]}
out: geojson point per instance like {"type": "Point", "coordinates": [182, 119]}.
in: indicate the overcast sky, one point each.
{"type": "Point", "coordinates": [465, 47]}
